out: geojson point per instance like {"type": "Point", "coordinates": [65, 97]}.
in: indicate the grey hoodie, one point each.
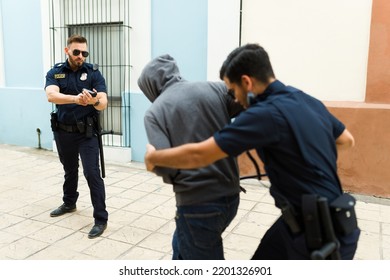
{"type": "Point", "coordinates": [184, 112]}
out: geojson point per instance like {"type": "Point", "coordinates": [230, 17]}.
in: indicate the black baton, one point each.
{"type": "Point", "coordinates": [100, 139]}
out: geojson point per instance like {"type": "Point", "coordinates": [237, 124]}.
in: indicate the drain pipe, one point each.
{"type": "Point", "coordinates": [39, 138]}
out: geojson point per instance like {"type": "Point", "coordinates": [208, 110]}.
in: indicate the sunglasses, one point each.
{"type": "Point", "coordinates": [83, 53]}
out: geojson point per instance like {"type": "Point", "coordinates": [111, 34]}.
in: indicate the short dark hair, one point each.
{"type": "Point", "coordinates": [251, 60]}
{"type": "Point", "coordinates": [76, 38]}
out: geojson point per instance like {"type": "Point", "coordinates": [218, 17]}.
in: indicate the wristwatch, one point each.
{"type": "Point", "coordinates": [97, 103]}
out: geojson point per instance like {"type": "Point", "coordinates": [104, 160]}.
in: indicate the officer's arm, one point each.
{"type": "Point", "coordinates": [101, 101]}
{"type": "Point", "coordinates": [188, 156]}
{"type": "Point", "coordinates": [55, 96]}
{"type": "Point", "coordinates": [345, 140]}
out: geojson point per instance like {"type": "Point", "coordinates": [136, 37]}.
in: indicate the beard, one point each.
{"type": "Point", "coordinates": [75, 63]}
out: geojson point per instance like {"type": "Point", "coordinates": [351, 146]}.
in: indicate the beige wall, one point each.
{"type": "Point", "coordinates": [320, 47]}
{"type": "Point", "coordinates": [365, 169]}
{"type": "Point", "coordinates": [378, 74]}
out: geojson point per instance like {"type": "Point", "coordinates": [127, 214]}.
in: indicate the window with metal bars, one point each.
{"type": "Point", "coordinates": [105, 24]}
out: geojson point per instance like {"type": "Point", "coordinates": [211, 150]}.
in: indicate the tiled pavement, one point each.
{"type": "Point", "coordinates": [141, 210]}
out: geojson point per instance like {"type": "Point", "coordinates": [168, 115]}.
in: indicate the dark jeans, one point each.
{"type": "Point", "coordinates": [279, 243]}
{"type": "Point", "coordinates": [199, 229]}
{"type": "Point", "coordinates": [70, 146]}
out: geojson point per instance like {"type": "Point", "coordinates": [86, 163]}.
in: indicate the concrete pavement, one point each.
{"type": "Point", "coordinates": [141, 210]}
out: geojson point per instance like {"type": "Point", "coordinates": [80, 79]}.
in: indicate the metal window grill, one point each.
{"type": "Point", "coordinates": [106, 25]}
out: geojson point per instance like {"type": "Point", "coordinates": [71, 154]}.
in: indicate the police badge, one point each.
{"type": "Point", "coordinates": [83, 76]}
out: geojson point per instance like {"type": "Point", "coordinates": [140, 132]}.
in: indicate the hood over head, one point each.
{"type": "Point", "coordinates": [157, 75]}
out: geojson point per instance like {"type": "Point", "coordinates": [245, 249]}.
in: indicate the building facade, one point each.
{"type": "Point", "coordinates": [336, 50]}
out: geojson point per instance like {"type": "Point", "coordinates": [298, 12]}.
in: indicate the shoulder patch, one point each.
{"type": "Point", "coordinates": [58, 65]}
{"type": "Point", "coordinates": [94, 66]}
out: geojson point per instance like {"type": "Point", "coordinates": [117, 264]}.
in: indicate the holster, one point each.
{"type": "Point", "coordinates": [289, 214]}
{"type": "Point", "coordinates": [89, 127]}
{"type": "Point", "coordinates": [80, 126]}
{"type": "Point", "coordinates": [54, 121]}
{"type": "Point", "coordinates": [311, 221]}
{"type": "Point", "coordinates": [290, 218]}
{"type": "Point", "coordinates": [343, 214]}
{"type": "Point", "coordinates": [323, 222]}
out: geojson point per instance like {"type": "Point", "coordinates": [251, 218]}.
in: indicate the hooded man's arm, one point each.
{"type": "Point", "coordinates": [158, 138]}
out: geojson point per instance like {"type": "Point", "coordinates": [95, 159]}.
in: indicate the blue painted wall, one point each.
{"type": "Point", "coordinates": [179, 27]}
{"type": "Point", "coordinates": [139, 105]}
{"type": "Point", "coordinates": [24, 107]}
{"type": "Point", "coordinates": [22, 112]}
{"type": "Point", "coordinates": [22, 40]}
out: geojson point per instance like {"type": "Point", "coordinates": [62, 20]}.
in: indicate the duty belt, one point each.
{"type": "Point", "coordinates": [68, 127]}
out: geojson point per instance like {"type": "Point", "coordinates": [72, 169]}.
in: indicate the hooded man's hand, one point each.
{"type": "Point", "coordinates": [149, 150]}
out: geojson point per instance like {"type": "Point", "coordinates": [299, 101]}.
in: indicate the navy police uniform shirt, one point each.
{"type": "Point", "coordinates": [87, 76]}
{"type": "Point", "coordinates": [294, 135]}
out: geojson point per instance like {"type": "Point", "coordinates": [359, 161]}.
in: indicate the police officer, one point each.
{"type": "Point", "coordinates": [295, 136]}
{"type": "Point", "coordinates": [74, 127]}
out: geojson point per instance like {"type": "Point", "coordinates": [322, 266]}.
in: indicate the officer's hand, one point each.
{"type": "Point", "coordinates": [81, 100]}
{"type": "Point", "coordinates": [149, 150]}
{"type": "Point", "coordinates": [88, 98]}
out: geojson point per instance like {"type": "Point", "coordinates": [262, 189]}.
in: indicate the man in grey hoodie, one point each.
{"type": "Point", "coordinates": [207, 198]}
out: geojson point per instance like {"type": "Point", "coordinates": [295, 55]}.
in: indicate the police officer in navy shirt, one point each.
{"type": "Point", "coordinates": [296, 137]}
{"type": "Point", "coordinates": [75, 127]}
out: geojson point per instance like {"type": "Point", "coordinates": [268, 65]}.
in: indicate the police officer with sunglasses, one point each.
{"type": "Point", "coordinates": [79, 91]}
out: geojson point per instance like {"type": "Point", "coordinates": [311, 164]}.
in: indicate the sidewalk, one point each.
{"type": "Point", "coordinates": [141, 210]}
